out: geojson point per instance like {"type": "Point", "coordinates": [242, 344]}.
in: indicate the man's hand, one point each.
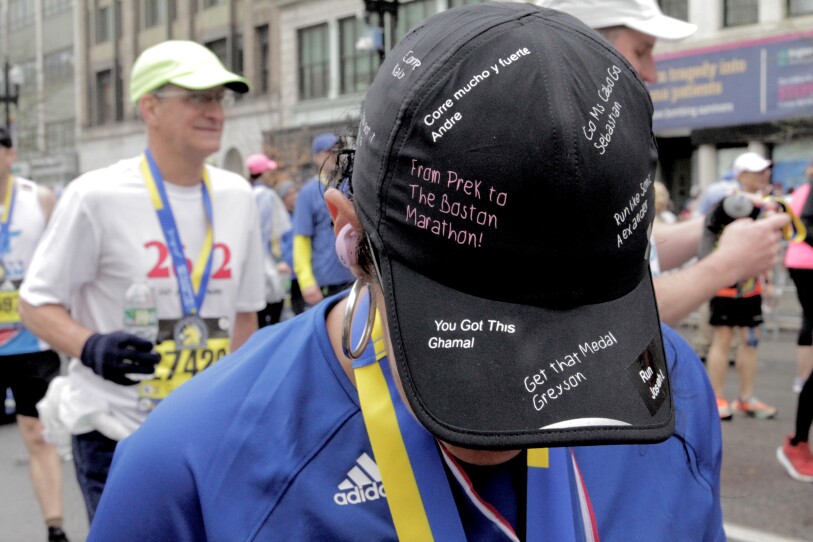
{"type": "Point", "coordinates": [312, 294]}
{"type": "Point", "coordinates": [284, 269]}
{"type": "Point", "coordinates": [115, 355]}
{"type": "Point", "coordinates": [749, 247]}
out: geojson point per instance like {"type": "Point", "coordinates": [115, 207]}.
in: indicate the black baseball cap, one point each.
{"type": "Point", "coordinates": [503, 170]}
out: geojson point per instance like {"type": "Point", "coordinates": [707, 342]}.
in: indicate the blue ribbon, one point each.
{"type": "Point", "coordinates": [191, 298]}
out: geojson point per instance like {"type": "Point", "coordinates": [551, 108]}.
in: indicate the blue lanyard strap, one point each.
{"type": "Point", "coordinates": [8, 211]}
{"type": "Point", "coordinates": [191, 283]}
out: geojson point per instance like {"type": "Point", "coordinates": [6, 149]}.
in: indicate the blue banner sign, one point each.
{"type": "Point", "coordinates": [745, 82]}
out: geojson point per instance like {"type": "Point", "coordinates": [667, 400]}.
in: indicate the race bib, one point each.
{"type": "Point", "coordinates": [9, 314]}
{"type": "Point", "coordinates": [187, 346]}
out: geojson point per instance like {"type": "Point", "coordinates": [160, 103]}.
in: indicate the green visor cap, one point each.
{"type": "Point", "coordinates": [183, 63]}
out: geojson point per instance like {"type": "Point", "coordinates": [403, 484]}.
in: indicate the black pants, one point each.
{"type": "Point", "coordinates": [804, 411]}
{"type": "Point", "coordinates": [298, 304]}
{"type": "Point", "coordinates": [270, 314]}
{"type": "Point", "coordinates": [803, 279]}
{"type": "Point", "coordinates": [28, 376]}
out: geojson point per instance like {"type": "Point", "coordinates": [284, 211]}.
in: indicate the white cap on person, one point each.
{"type": "Point", "coordinates": [641, 15]}
{"type": "Point", "coordinates": [751, 162]}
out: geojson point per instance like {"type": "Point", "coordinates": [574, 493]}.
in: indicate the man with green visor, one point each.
{"type": "Point", "coordinates": [150, 270]}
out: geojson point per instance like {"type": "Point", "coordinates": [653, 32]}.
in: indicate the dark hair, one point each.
{"type": "Point", "coordinates": [341, 178]}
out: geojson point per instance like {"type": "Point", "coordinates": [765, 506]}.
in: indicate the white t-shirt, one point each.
{"type": "Point", "coordinates": [104, 235]}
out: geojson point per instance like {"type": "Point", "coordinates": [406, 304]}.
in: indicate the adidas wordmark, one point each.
{"type": "Point", "coordinates": [363, 483]}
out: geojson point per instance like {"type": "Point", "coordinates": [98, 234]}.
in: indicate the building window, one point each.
{"type": "Point", "coordinates": [740, 12]}
{"type": "Point", "coordinates": [679, 9]}
{"type": "Point", "coordinates": [116, 15]}
{"type": "Point", "coordinates": [104, 110]}
{"type": "Point", "coordinates": [262, 55]}
{"type": "Point", "coordinates": [313, 61]}
{"type": "Point", "coordinates": [29, 68]}
{"type": "Point", "coordinates": [411, 13]}
{"type": "Point", "coordinates": [104, 24]}
{"type": "Point", "coordinates": [25, 127]}
{"type": "Point", "coordinates": [212, 3]}
{"type": "Point", "coordinates": [800, 7]}
{"type": "Point", "coordinates": [20, 13]}
{"type": "Point", "coordinates": [24, 117]}
{"type": "Point", "coordinates": [356, 68]}
{"type": "Point", "coordinates": [220, 49]}
{"type": "Point", "coordinates": [107, 24]}
{"type": "Point", "coordinates": [153, 12]}
{"type": "Point", "coordinates": [238, 66]}
{"type": "Point", "coordinates": [60, 135]}
{"type": "Point", "coordinates": [52, 7]}
{"type": "Point", "coordinates": [58, 66]}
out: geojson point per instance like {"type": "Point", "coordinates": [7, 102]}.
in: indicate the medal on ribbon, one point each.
{"type": "Point", "coordinates": [190, 345]}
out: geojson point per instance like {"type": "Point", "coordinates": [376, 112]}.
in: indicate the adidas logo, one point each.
{"type": "Point", "coordinates": [363, 483]}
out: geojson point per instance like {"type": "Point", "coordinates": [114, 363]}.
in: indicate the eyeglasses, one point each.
{"type": "Point", "coordinates": [199, 98]}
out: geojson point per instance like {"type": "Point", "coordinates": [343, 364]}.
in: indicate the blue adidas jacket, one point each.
{"type": "Point", "coordinates": [270, 444]}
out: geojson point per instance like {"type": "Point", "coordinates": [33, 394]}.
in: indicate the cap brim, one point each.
{"type": "Point", "coordinates": [211, 78]}
{"type": "Point", "coordinates": [663, 27]}
{"type": "Point", "coordinates": [761, 167]}
{"type": "Point", "coordinates": [481, 373]}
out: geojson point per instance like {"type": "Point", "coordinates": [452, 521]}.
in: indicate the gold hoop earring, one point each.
{"type": "Point", "coordinates": [347, 326]}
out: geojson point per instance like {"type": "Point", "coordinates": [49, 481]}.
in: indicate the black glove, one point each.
{"type": "Point", "coordinates": [114, 355]}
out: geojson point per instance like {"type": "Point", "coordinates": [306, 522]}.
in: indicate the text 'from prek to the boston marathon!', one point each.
{"type": "Point", "coordinates": [444, 202]}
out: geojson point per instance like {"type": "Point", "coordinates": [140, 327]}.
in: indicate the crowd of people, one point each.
{"type": "Point", "coordinates": [379, 324]}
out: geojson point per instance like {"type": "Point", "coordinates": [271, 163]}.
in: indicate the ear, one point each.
{"type": "Point", "coordinates": [342, 212]}
{"type": "Point", "coordinates": [346, 243]}
{"type": "Point", "coordinates": [147, 105]}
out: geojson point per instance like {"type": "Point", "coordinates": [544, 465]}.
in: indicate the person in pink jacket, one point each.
{"type": "Point", "coordinates": [794, 454]}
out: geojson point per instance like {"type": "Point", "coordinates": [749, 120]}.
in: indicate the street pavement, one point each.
{"type": "Point", "coordinates": [20, 516]}
{"type": "Point", "coordinates": [761, 503]}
